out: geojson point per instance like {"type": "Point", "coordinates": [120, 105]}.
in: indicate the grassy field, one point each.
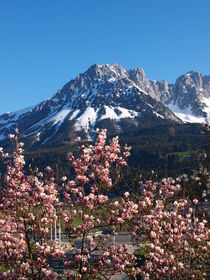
{"type": "Point", "coordinates": [184, 154]}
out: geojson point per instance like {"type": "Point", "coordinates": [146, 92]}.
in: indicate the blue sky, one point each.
{"type": "Point", "coordinates": [45, 43]}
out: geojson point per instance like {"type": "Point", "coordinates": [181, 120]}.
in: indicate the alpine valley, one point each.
{"type": "Point", "coordinates": [109, 96]}
{"type": "Point", "coordinates": [161, 121]}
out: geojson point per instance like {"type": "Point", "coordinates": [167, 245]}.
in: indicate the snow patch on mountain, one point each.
{"type": "Point", "coordinates": [190, 118]}
{"type": "Point", "coordinates": [111, 113]}
{"type": "Point", "coordinates": [206, 107]}
{"type": "Point", "coordinates": [61, 116]}
{"type": "Point", "coordinates": [19, 113]}
{"type": "Point", "coordinates": [74, 115]}
{"type": "Point", "coordinates": [14, 116]}
{"type": "Point", "coordinates": [55, 119]}
{"type": "Point", "coordinates": [158, 115]}
{"type": "Point", "coordinates": [141, 90]}
{"type": "Point", "coordinates": [186, 114]}
{"type": "Point", "coordinates": [87, 119]}
{"type": "Point", "coordinates": [60, 119]}
{"type": "Point", "coordinates": [38, 136]}
{"type": "Point", "coordinates": [125, 113]}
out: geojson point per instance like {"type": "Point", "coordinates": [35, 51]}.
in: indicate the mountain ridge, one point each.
{"type": "Point", "coordinates": [110, 96]}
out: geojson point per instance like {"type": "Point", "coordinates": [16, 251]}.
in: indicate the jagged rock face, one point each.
{"type": "Point", "coordinates": [161, 91]}
{"type": "Point", "coordinates": [103, 96]}
{"type": "Point", "coordinates": [192, 89]}
{"type": "Point", "coordinates": [188, 98]}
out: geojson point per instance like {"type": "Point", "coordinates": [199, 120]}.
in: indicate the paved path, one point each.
{"type": "Point", "coordinates": [119, 277]}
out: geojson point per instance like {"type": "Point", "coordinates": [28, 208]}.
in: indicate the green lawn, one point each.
{"type": "Point", "coordinates": [184, 154]}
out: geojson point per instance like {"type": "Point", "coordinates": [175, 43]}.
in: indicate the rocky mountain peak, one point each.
{"type": "Point", "coordinates": [105, 71]}
{"type": "Point", "coordinates": [191, 78]}
{"type": "Point", "coordinates": [109, 96]}
{"type": "Point", "coordinates": [137, 75]}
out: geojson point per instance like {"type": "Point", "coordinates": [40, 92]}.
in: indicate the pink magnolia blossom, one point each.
{"type": "Point", "coordinates": [175, 240]}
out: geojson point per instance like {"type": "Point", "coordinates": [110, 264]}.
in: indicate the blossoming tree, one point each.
{"type": "Point", "coordinates": [87, 201]}
{"type": "Point", "coordinates": [175, 240]}
{"type": "Point", "coordinates": [26, 213]}
{"type": "Point", "coordinates": [177, 243]}
{"type": "Point", "coordinates": [30, 205]}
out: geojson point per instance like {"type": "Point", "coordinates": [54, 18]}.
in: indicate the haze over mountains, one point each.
{"type": "Point", "coordinates": [109, 96]}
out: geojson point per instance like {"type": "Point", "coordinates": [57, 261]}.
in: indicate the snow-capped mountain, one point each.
{"type": "Point", "coordinates": [109, 96]}
{"type": "Point", "coordinates": [188, 98]}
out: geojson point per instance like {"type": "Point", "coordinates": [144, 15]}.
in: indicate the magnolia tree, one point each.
{"type": "Point", "coordinates": [176, 242]}
{"type": "Point", "coordinates": [30, 205]}
{"type": "Point", "coordinates": [86, 201]}
{"type": "Point", "coordinates": [27, 210]}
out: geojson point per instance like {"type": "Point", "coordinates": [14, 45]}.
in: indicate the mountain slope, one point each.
{"type": "Point", "coordinates": [188, 98]}
{"type": "Point", "coordinates": [103, 96]}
